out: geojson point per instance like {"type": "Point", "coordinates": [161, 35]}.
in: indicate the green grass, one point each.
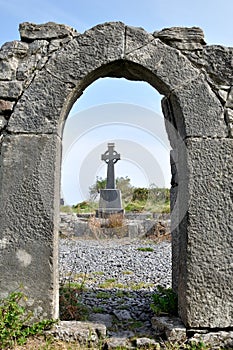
{"type": "Point", "coordinates": [127, 272]}
{"type": "Point", "coordinates": [145, 249]}
{"type": "Point", "coordinates": [103, 295]}
{"type": "Point", "coordinates": [99, 273]}
{"type": "Point", "coordinates": [97, 309]}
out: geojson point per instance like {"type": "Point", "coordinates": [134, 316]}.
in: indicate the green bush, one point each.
{"type": "Point", "coordinates": [140, 194]}
{"type": "Point", "coordinates": [165, 302]}
{"type": "Point", "coordinates": [135, 206]}
{"type": "Point", "coordinates": [14, 320]}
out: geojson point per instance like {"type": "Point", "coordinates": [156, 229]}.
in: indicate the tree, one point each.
{"type": "Point", "coordinates": [96, 187]}
{"type": "Point", "coordinates": [122, 183]}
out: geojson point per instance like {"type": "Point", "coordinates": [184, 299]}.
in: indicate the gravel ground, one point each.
{"type": "Point", "coordinates": [119, 276]}
{"type": "Point", "coordinates": [120, 259]}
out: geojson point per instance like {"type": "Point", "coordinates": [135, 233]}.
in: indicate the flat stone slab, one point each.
{"type": "Point", "coordinates": [172, 327]}
{"type": "Point", "coordinates": [216, 340]}
{"type": "Point", "coordinates": [81, 332]}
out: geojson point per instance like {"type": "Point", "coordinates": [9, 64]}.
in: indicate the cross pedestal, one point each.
{"type": "Point", "coordinates": [110, 198]}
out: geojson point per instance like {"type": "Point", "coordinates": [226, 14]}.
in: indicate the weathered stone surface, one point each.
{"type": "Point", "coordinates": [29, 237]}
{"type": "Point", "coordinates": [117, 342]}
{"type": "Point", "coordinates": [3, 122]}
{"type": "Point", "coordinates": [229, 102]}
{"type": "Point", "coordinates": [6, 106]}
{"type": "Point", "coordinates": [81, 332]}
{"type": "Point", "coordinates": [50, 30]}
{"type": "Point", "coordinates": [216, 340]}
{"type": "Point", "coordinates": [202, 115]}
{"type": "Point", "coordinates": [10, 89]}
{"type": "Point", "coordinates": [47, 96]}
{"type": "Point", "coordinates": [8, 69]}
{"type": "Point", "coordinates": [205, 283]}
{"type": "Point", "coordinates": [147, 343]}
{"type": "Point", "coordinates": [171, 69]}
{"type": "Point", "coordinates": [136, 38]}
{"type": "Point", "coordinates": [89, 51]}
{"type": "Point", "coordinates": [182, 38]}
{"type": "Point", "coordinates": [217, 61]}
{"type": "Point", "coordinates": [229, 119]}
{"type": "Point", "coordinates": [172, 327]}
{"type": "Point", "coordinates": [104, 319]}
{"type": "Point", "coordinates": [13, 48]}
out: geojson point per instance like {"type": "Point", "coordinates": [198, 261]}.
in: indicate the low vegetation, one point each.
{"type": "Point", "coordinates": [135, 199]}
{"type": "Point", "coordinates": [15, 326]}
{"type": "Point", "coordinates": [17, 333]}
{"type": "Point", "coordinates": [164, 302]}
{"type": "Point", "coordinates": [145, 249]}
{"type": "Point", "coordinates": [71, 306]}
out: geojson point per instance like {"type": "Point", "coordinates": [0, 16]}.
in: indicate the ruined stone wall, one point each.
{"type": "Point", "coordinates": [41, 76]}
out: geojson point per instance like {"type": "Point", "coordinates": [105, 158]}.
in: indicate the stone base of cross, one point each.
{"type": "Point", "coordinates": [109, 203]}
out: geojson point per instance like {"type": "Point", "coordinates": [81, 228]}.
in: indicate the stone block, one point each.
{"type": "Point", "coordinates": [6, 106]}
{"type": "Point", "coordinates": [109, 202]}
{"type": "Point", "coordinates": [133, 230]}
{"type": "Point", "coordinates": [47, 96]}
{"type": "Point", "coordinates": [81, 332]}
{"type": "Point", "coordinates": [147, 343]}
{"type": "Point", "coordinates": [170, 67]}
{"type": "Point", "coordinates": [13, 48]}
{"type": "Point", "coordinates": [187, 34]}
{"type": "Point", "coordinates": [218, 63]}
{"type": "Point", "coordinates": [214, 340]}
{"type": "Point", "coordinates": [205, 271]}
{"type": "Point", "coordinates": [29, 209]}
{"type": "Point", "coordinates": [229, 102]}
{"type": "Point", "coordinates": [171, 327]}
{"type": "Point", "coordinates": [229, 120]}
{"type": "Point", "coordinates": [8, 69]}
{"type": "Point", "coordinates": [10, 89]}
{"type": "Point", "coordinates": [3, 122]}
{"type": "Point", "coordinates": [197, 111]}
{"type": "Point", "coordinates": [182, 38]}
{"type": "Point", "coordinates": [105, 319]}
{"type": "Point", "coordinates": [89, 51]}
{"type": "Point", "coordinates": [136, 38]}
{"type": "Point", "coordinates": [30, 31]}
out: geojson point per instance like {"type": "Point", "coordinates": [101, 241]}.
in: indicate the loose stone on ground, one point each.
{"type": "Point", "coordinates": [119, 280]}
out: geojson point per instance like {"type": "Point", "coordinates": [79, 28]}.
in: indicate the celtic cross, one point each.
{"type": "Point", "coordinates": [110, 157]}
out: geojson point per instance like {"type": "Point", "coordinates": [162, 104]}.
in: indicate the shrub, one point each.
{"type": "Point", "coordinates": [71, 306]}
{"type": "Point", "coordinates": [14, 320]}
{"type": "Point", "coordinates": [136, 206]}
{"type": "Point", "coordinates": [115, 220]}
{"type": "Point", "coordinates": [165, 302]}
{"type": "Point", "coordinates": [140, 194]}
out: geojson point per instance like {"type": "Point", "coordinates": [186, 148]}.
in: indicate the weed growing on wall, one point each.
{"type": "Point", "coordinates": [15, 327]}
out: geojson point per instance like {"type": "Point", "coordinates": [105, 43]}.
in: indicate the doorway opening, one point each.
{"type": "Point", "coordinates": [115, 271]}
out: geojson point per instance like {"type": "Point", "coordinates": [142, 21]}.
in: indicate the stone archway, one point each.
{"type": "Point", "coordinates": [42, 75]}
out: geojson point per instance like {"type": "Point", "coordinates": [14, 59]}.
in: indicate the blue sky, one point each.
{"type": "Point", "coordinates": [214, 17]}
{"type": "Point", "coordinates": [87, 128]}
